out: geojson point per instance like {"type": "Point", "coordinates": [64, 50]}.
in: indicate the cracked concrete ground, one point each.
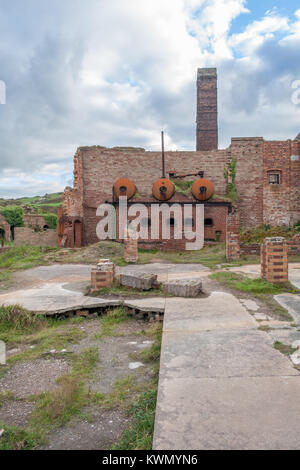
{"type": "Point", "coordinates": [60, 288]}
{"type": "Point", "coordinates": [222, 384]}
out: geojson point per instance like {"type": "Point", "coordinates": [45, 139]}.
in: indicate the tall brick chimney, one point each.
{"type": "Point", "coordinates": [207, 110]}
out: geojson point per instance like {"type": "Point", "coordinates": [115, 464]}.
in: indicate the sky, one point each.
{"type": "Point", "coordinates": [117, 72]}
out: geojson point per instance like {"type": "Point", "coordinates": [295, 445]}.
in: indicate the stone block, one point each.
{"type": "Point", "coordinates": [142, 281]}
{"type": "Point", "coordinates": [184, 287]}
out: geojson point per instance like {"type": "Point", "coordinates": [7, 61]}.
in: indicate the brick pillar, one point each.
{"type": "Point", "coordinates": [233, 236]}
{"type": "Point", "coordinates": [102, 275]}
{"type": "Point", "coordinates": [207, 110]}
{"type": "Point", "coordinates": [130, 246]}
{"type": "Point", "coordinates": [274, 260]}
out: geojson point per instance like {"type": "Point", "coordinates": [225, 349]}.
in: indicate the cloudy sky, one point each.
{"type": "Point", "coordinates": [116, 72]}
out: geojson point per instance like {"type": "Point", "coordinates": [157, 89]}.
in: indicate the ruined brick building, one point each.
{"type": "Point", "coordinates": [260, 178]}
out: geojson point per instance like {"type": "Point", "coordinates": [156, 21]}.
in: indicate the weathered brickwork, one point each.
{"type": "Point", "coordinates": [102, 275]}
{"type": "Point", "coordinates": [207, 110]}
{"type": "Point", "coordinates": [214, 227]}
{"type": "Point", "coordinates": [281, 202]}
{"type": "Point", "coordinates": [27, 236]}
{"type": "Point", "coordinates": [33, 220]}
{"type": "Point", "coordinates": [131, 250]}
{"type": "Point", "coordinates": [233, 236]}
{"type": "Point", "coordinates": [248, 154]}
{"type": "Point", "coordinates": [274, 260]}
{"type": "Point", "coordinates": [102, 167]}
{"type": "Point", "coordinates": [5, 232]}
{"type": "Point", "coordinates": [267, 179]}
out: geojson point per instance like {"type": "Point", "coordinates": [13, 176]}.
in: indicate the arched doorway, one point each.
{"type": "Point", "coordinates": [2, 236]}
{"type": "Point", "coordinates": [78, 234]}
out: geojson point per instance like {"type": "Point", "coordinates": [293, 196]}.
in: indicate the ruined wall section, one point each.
{"type": "Point", "coordinates": [102, 167]}
{"type": "Point", "coordinates": [73, 197]}
{"type": "Point", "coordinates": [249, 154]}
{"type": "Point", "coordinates": [27, 236]}
{"type": "Point", "coordinates": [295, 181]}
{"type": "Point", "coordinates": [282, 201]}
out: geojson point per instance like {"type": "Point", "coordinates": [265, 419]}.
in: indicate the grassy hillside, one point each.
{"type": "Point", "coordinates": [42, 204]}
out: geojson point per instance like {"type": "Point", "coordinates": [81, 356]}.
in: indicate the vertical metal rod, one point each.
{"type": "Point", "coordinates": [163, 154]}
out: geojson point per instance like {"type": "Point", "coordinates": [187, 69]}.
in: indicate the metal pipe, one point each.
{"type": "Point", "coordinates": [163, 154]}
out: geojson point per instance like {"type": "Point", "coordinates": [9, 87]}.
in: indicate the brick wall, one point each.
{"type": "Point", "coordinates": [97, 168]}
{"type": "Point", "coordinates": [34, 220]}
{"type": "Point", "coordinates": [27, 236]}
{"type": "Point", "coordinates": [249, 154]}
{"type": "Point", "coordinates": [215, 232]}
{"type": "Point", "coordinates": [102, 167]}
{"type": "Point", "coordinates": [254, 248]}
{"type": "Point", "coordinates": [281, 202]}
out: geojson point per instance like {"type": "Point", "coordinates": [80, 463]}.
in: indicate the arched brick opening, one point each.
{"type": "Point", "coordinates": [78, 234]}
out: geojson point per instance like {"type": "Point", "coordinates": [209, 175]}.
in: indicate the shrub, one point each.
{"type": "Point", "coordinates": [51, 220]}
{"type": "Point", "coordinates": [14, 215]}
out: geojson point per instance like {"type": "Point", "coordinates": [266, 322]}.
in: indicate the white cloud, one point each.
{"type": "Point", "coordinates": [116, 73]}
{"type": "Point", "coordinates": [258, 32]}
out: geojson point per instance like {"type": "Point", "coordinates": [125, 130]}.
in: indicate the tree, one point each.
{"type": "Point", "coordinates": [14, 216]}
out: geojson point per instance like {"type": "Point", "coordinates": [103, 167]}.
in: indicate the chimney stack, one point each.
{"type": "Point", "coordinates": [207, 110]}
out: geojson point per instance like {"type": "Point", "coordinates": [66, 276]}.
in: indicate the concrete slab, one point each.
{"type": "Point", "coordinates": [285, 336]}
{"type": "Point", "coordinates": [167, 271]}
{"type": "Point", "coordinates": [53, 298]}
{"type": "Point", "coordinates": [155, 304]}
{"type": "Point", "coordinates": [228, 414]}
{"type": "Point", "coordinates": [292, 303]}
{"type": "Point", "coordinates": [250, 305]}
{"type": "Point", "coordinates": [235, 353]}
{"type": "Point", "coordinates": [218, 311]}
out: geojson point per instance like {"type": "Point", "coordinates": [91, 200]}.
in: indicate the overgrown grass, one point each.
{"type": "Point", "coordinates": [121, 291]}
{"type": "Point", "coordinates": [20, 327]}
{"type": "Point", "coordinates": [18, 439]}
{"type": "Point", "coordinates": [4, 396]}
{"type": "Point", "coordinates": [284, 348]}
{"type": "Point", "coordinates": [56, 408]}
{"type": "Point", "coordinates": [139, 434]}
{"type": "Point", "coordinates": [254, 286]}
{"type": "Point", "coordinates": [183, 187]}
{"type": "Point", "coordinates": [151, 354]}
{"type": "Point", "coordinates": [258, 234]}
{"type": "Point", "coordinates": [125, 390]}
{"type": "Point", "coordinates": [15, 317]}
{"type": "Point", "coordinates": [111, 321]}
{"type": "Point", "coordinates": [23, 257]}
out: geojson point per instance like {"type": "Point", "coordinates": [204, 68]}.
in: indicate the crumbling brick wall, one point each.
{"type": "Point", "coordinates": [97, 168]}
{"type": "Point", "coordinates": [27, 236]}
{"type": "Point", "coordinates": [281, 202]}
{"type": "Point", "coordinates": [4, 225]}
{"type": "Point", "coordinates": [233, 236]}
{"type": "Point", "coordinates": [102, 167]}
{"type": "Point", "coordinates": [249, 154]}
{"type": "Point", "coordinates": [33, 220]}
